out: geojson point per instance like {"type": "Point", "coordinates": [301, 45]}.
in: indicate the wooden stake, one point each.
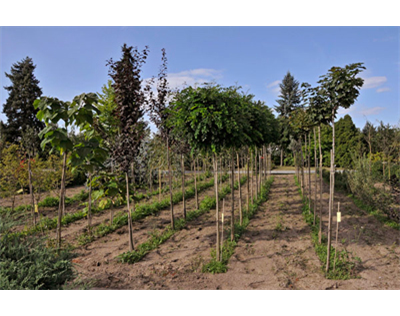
{"type": "Point", "coordinates": [215, 165]}
{"type": "Point", "coordinates": [252, 176]}
{"type": "Point", "coordinates": [320, 185]}
{"type": "Point", "coordinates": [240, 191]}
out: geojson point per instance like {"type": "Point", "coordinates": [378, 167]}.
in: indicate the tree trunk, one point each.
{"type": "Point", "coordinates": [270, 160]}
{"type": "Point", "coordinates": [240, 191]}
{"type": "Point", "coordinates": [151, 181]}
{"type": "Point", "coordinates": [220, 168]}
{"type": "Point", "coordinates": [315, 175]}
{"type": "Point", "coordinates": [383, 165]}
{"type": "Point", "coordinates": [332, 192]}
{"type": "Point", "coordinates": [305, 164]}
{"type": "Point", "coordinates": [370, 149]}
{"type": "Point", "coordinates": [215, 164]}
{"type": "Point", "coordinates": [281, 157]}
{"type": "Point", "coordinates": [248, 181]}
{"type": "Point", "coordinates": [183, 186]}
{"type": "Point", "coordinates": [195, 184]}
{"type": "Point", "coordinates": [309, 172]}
{"type": "Point", "coordinates": [266, 156]}
{"type": "Point", "coordinates": [129, 213]}
{"type": "Point", "coordinates": [230, 171]}
{"type": "Point", "coordinates": [259, 171]}
{"type": "Point", "coordinates": [61, 207]}
{"type": "Point", "coordinates": [320, 185]}
{"type": "Point", "coordinates": [252, 177]}
{"type": "Point", "coordinates": [133, 187]}
{"type": "Point", "coordinates": [159, 185]}
{"type": "Point", "coordinates": [170, 186]}
{"type": "Point", "coordinates": [112, 212]}
{"type": "Point", "coordinates": [263, 162]}
{"type": "Point", "coordinates": [329, 213]}
{"type": "Point", "coordinates": [233, 195]}
{"type": "Point", "coordinates": [267, 165]}
{"type": "Point", "coordinates": [302, 167]}
{"type": "Point", "coordinates": [256, 172]}
{"type": "Point", "coordinates": [89, 214]}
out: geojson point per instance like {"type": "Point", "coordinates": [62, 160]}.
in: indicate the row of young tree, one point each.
{"type": "Point", "coordinates": [304, 110]}
{"type": "Point", "coordinates": [210, 122]}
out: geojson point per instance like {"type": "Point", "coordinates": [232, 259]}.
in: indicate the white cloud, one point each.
{"type": "Point", "coordinates": [372, 111]}
{"type": "Point", "coordinates": [384, 89]}
{"type": "Point", "coordinates": [373, 82]}
{"type": "Point", "coordinates": [193, 76]}
{"type": "Point", "coordinates": [359, 110]}
{"type": "Point", "coordinates": [343, 111]}
{"type": "Point", "coordinates": [274, 86]}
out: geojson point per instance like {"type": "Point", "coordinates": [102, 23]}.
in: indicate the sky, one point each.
{"type": "Point", "coordinates": [72, 60]}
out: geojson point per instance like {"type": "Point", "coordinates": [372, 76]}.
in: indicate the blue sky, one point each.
{"type": "Point", "coordinates": [72, 60]}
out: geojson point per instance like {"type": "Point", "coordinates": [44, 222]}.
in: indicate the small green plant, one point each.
{"type": "Point", "coordinates": [27, 263]}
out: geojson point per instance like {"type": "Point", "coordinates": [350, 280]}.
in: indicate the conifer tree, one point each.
{"type": "Point", "coordinates": [290, 96]}
{"type": "Point", "coordinates": [22, 92]}
{"type": "Point", "coordinates": [289, 100]}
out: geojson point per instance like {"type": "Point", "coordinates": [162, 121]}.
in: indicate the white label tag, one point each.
{"type": "Point", "coordinates": [338, 217]}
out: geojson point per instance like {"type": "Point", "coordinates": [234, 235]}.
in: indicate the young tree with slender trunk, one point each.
{"type": "Point", "coordinates": [130, 99]}
{"type": "Point", "coordinates": [159, 116]}
{"type": "Point", "coordinates": [340, 86]}
{"type": "Point", "coordinates": [211, 118]}
{"type": "Point", "coordinates": [51, 111]}
{"type": "Point", "coordinates": [90, 155]}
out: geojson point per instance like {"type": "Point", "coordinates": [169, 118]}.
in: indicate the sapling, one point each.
{"type": "Point", "coordinates": [130, 99]}
{"type": "Point", "coordinates": [340, 86]}
{"type": "Point", "coordinates": [79, 112]}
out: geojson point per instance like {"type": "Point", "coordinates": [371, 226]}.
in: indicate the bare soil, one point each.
{"type": "Point", "coordinates": [360, 233]}
{"type": "Point", "coordinates": [275, 252]}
